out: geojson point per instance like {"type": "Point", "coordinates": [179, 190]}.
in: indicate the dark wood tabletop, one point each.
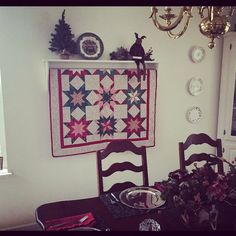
{"type": "Point", "coordinates": [167, 218]}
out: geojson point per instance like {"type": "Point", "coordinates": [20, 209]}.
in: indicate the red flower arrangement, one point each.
{"type": "Point", "coordinates": [196, 194]}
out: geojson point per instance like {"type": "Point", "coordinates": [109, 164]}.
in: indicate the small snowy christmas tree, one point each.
{"type": "Point", "coordinates": [62, 41]}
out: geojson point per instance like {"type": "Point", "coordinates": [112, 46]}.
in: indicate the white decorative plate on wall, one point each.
{"type": "Point", "coordinates": [194, 114]}
{"type": "Point", "coordinates": [195, 86]}
{"type": "Point", "coordinates": [197, 54]}
{"type": "Point", "coordinates": [90, 46]}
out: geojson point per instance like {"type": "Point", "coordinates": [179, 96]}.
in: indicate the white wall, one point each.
{"type": "Point", "coordinates": [37, 177]}
{"type": "Point", "coordinates": [233, 22]}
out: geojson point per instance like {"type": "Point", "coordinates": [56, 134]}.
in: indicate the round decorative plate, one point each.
{"type": "Point", "coordinates": [90, 46]}
{"type": "Point", "coordinates": [194, 114]}
{"type": "Point", "coordinates": [141, 198]}
{"type": "Point", "coordinates": [195, 86]}
{"type": "Point", "coordinates": [197, 54]}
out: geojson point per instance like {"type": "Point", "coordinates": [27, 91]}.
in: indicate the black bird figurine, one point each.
{"type": "Point", "coordinates": [137, 52]}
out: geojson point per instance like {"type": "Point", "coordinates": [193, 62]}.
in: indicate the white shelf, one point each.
{"type": "Point", "coordinates": [98, 63]}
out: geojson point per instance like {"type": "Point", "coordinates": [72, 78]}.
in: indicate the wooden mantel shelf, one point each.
{"type": "Point", "coordinates": [97, 63]}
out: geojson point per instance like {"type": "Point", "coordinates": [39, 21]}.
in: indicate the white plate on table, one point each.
{"type": "Point", "coordinates": [141, 198]}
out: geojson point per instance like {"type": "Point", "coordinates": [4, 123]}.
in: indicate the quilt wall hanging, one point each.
{"type": "Point", "coordinates": [91, 107]}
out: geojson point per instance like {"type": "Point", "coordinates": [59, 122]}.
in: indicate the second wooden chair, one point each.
{"type": "Point", "coordinates": [197, 139]}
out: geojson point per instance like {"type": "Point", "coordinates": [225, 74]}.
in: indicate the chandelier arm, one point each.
{"type": "Point", "coordinates": [209, 10]}
{"type": "Point", "coordinates": [178, 35]}
{"type": "Point", "coordinates": [171, 26]}
{"type": "Point", "coordinates": [214, 25]}
{"type": "Point", "coordinates": [200, 11]}
{"type": "Point", "coordinates": [212, 15]}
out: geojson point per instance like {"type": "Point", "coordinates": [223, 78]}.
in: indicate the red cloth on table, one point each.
{"type": "Point", "coordinates": [70, 222]}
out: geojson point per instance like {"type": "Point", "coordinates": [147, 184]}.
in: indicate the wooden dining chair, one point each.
{"type": "Point", "coordinates": [198, 139]}
{"type": "Point", "coordinates": [119, 146]}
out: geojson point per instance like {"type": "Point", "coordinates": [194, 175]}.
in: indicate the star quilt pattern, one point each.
{"type": "Point", "coordinates": [91, 107]}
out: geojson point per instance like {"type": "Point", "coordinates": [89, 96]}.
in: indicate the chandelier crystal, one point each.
{"type": "Point", "coordinates": [214, 24]}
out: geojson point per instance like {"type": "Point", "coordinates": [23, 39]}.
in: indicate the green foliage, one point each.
{"type": "Point", "coordinates": [147, 56]}
{"type": "Point", "coordinates": [63, 38]}
{"type": "Point", "coordinates": [121, 53]}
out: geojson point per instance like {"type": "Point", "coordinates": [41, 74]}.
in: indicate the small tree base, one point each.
{"type": "Point", "coordinates": [64, 56]}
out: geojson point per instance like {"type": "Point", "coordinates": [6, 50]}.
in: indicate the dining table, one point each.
{"type": "Point", "coordinates": [115, 216]}
{"type": "Point", "coordinates": [103, 216]}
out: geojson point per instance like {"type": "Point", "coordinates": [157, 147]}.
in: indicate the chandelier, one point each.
{"type": "Point", "coordinates": [213, 25]}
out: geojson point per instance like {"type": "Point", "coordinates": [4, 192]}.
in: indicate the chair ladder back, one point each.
{"type": "Point", "coordinates": [197, 139]}
{"type": "Point", "coordinates": [123, 166]}
{"type": "Point", "coordinates": [181, 156]}
{"type": "Point", "coordinates": [145, 170]}
{"type": "Point", "coordinates": [220, 154]}
{"type": "Point", "coordinates": [196, 157]}
{"type": "Point", "coordinates": [116, 187]}
{"type": "Point", "coordinates": [121, 146]}
{"type": "Point", "coordinates": [99, 168]}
